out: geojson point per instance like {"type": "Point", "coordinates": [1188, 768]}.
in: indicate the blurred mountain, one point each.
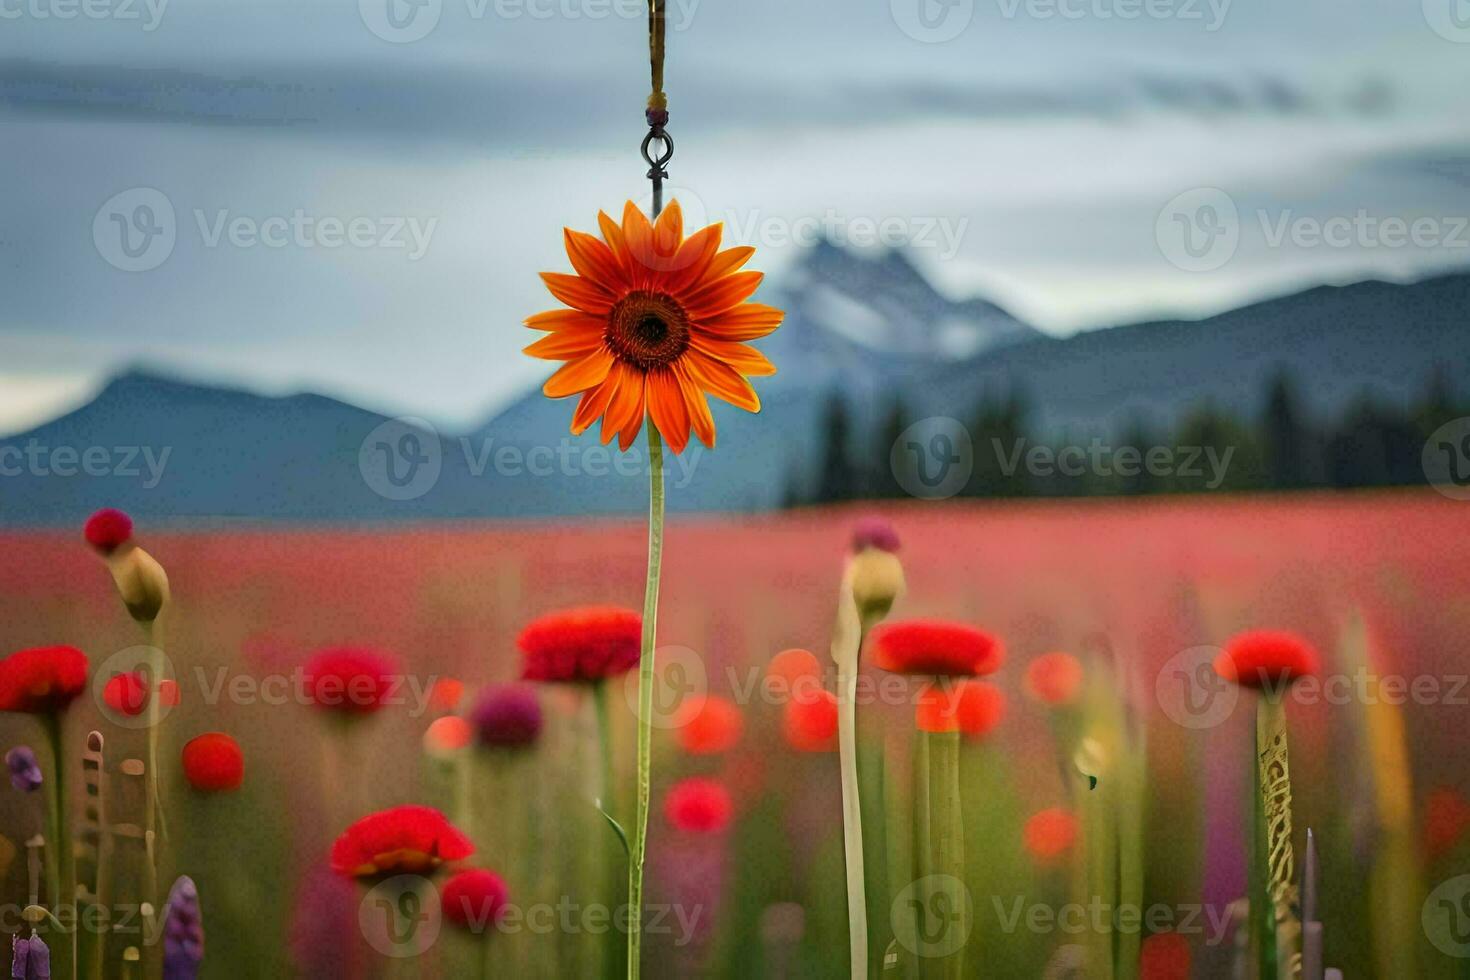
{"type": "Point", "coordinates": [870, 331]}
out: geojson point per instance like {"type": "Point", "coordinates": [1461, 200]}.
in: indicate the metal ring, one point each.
{"type": "Point", "coordinates": [668, 150]}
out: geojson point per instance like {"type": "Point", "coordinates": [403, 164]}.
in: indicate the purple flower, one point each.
{"type": "Point", "coordinates": [30, 959]}
{"type": "Point", "coordinates": [183, 932]}
{"type": "Point", "coordinates": [25, 771]}
{"type": "Point", "coordinates": [507, 716]}
{"type": "Point", "coordinates": [874, 532]}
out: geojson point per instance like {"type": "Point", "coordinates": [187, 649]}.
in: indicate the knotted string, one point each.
{"type": "Point", "coordinates": [657, 112]}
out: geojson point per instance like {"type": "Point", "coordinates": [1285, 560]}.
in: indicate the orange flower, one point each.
{"type": "Point", "coordinates": [1054, 679]}
{"type": "Point", "coordinates": [979, 707]}
{"type": "Point", "coordinates": [657, 321]}
{"type": "Point", "coordinates": [937, 709]}
{"type": "Point", "coordinates": [714, 725]}
{"type": "Point", "coordinates": [1049, 834]}
{"type": "Point", "coordinates": [972, 707]}
{"type": "Point", "coordinates": [796, 674]}
{"type": "Point", "coordinates": [811, 725]}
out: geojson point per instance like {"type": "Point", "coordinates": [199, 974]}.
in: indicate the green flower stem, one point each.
{"type": "Point", "coordinates": [1273, 779]}
{"type": "Point", "coordinates": [942, 831]}
{"type": "Point", "coordinates": [60, 868]}
{"type": "Point", "coordinates": [645, 696]}
{"type": "Point", "coordinates": [152, 815]}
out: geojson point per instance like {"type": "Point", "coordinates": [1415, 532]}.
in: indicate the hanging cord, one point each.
{"type": "Point", "coordinates": [658, 107]}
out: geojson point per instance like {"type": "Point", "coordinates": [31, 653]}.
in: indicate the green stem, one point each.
{"type": "Point", "coordinates": [151, 817]}
{"type": "Point", "coordinates": [61, 873]}
{"type": "Point", "coordinates": [645, 696]}
{"type": "Point", "coordinates": [1273, 779]}
{"type": "Point", "coordinates": [946, 841]}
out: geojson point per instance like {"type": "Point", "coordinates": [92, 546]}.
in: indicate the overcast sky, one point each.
{"type": "Point", "coordinates": [316, 194]}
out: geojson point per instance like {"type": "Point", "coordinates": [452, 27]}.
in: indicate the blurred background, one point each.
{"type": "Point", "coordinates": [1205, 263]}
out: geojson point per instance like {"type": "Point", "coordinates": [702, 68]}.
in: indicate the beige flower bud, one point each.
{"type": "Point", "coordinates": [141, 582]}
{"type": "Point", "coordinates": [877, 581]}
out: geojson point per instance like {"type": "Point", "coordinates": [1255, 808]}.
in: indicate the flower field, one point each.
{"type": "Point", "coordinates": [1100, 817]}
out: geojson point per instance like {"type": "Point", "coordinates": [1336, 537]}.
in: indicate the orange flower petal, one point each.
{"type": "Point", "coordinates": [624, 415]}
{"type": "Point", "coordinates": [592, 406]}
{"type": "Point", "coordinates": [565, 344]}
{"type": "Point", "coordinates": [722, 294]}
{"type": "Point", "coordinates": [666, 405]}
{"type": "Point", "coordinates": [742, 357]}
{"type": "Point", "coordinates": [700, 418]}
{"type": "Point", "coordinates": [578, 293]}
{"type": "Point", "coordinates": [638, 238]}
{"type": "Point", "coordinates": [749, 321]}
{"type": "Point", "coordinates": [693, 257]}
{"type": "Point", "coordinates": [613, 235]}
{"type": "Point", "coordinates": [579, 375]}
{"type": "Point", "coordinates": [594, 261]}
{"type": "Point", "coordinates": [721, 380]}
{"type": "Point", "coordinates": [565, 320]}
{"type": "Point", "coordinates": [668, 231]}
{"type": "Point", "coordinates": [726, 262]}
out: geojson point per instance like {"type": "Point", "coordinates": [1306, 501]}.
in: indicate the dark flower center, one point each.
{"type": "Point", "coordinates": [647, 330]}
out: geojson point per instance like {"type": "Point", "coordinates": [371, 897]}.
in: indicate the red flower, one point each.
{"type": "Point", "coordinates": [583, 644]}
{"type": "Point", "coordinates": [699, 805]}
{"type": "Point", "coordinates": [1164, 956]}
{"type": "Point", "coordinates": [811, 726]}
{"type": "Point", "coordinates": [798, 672]}
{"type": "Point", "coordinates": [213, 762]}
{"type": "Point", "coordinates": [42, 680]}
{"type": "Point", "coordinates": [352, 680]}
{"type": "Point", "coordinates": [979, 708]}
{"type": "Point", "coordinates": [1260, 658]}
{"type": "Point", "coordinates": [399, 840]}
{"type": "Point", "coordinates": [1446, 818]}
{"type": "Point", "coordinates": [473, 899]}
{"type": "Point", "coordinates": [127, 694]}
{"type": "Point", "coordinates": [108, 529]}
{"type": "Point", "coordinates": [922, 646]}
{"type": "Point", "coordinates": [714, 725]}
{"type": "Point", "coordinates": [1049, 834]}
{"type": "Point", "coordinates": [1054, 679]}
